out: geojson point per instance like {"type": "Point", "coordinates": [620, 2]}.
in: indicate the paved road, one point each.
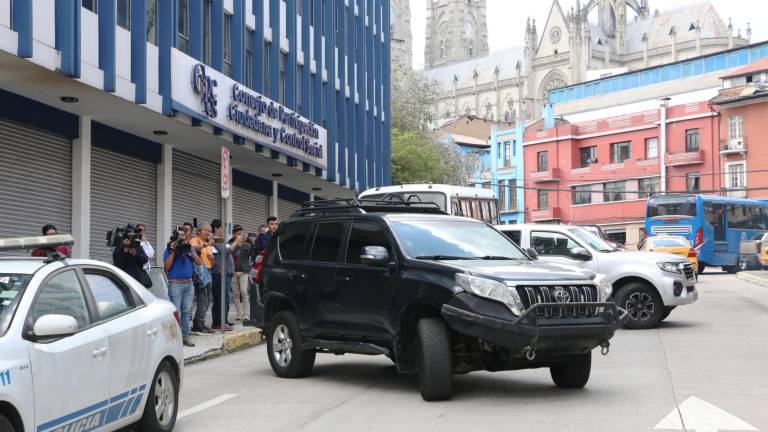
{"type": "Point", "coordinates": [714, 351]}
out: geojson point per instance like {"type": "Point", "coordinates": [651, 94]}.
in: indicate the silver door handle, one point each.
{"type": "Point", "coordinates": [152, 333]}
{"type": "Point", "coordinates": [99, 353]}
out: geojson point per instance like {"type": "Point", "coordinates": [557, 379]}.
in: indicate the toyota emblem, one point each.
{"type": "Point", "coordinates": [561, 295]}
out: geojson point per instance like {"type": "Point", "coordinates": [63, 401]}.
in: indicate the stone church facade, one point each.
{"type": "Point", "coordinates": [595, 38]}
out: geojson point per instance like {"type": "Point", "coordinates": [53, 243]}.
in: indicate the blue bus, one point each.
{"type": "Point", "coordinates": [715, 225]}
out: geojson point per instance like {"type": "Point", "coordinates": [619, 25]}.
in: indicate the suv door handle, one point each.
{"type": "Point", "coordinates": [343, 279]}
{"type": "Point", "coordinates": [99, 353]}
{"type": "Point", "coordinates": [299, 276]}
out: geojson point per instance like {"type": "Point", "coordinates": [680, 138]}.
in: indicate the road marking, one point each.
{"type": "Point", "coordinates": [701, 416]}
{"type": "Point", "coordinates": [205, 405]}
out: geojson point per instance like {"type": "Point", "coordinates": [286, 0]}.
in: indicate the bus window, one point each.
{"type": "Point", "coordinates": [486, 211]}
{"type": "Point", "coordinates": [494, 212]}
{"type": "Point", "coordinates": [715, 215]}
{"type": "Point", "coordinates": [672, 206]}
{"type": "Point", "coordinates": [466, 211]}
{"type": "Point", "coordinates": [476, 213]}
{"type": "Point", "coordinates": [456, 209]}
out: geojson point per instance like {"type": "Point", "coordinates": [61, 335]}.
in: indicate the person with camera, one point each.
{"type": "Point", "coordinates": [146, 245]}
{"type": "Point", "coordinates": [129, 256]}
{"type": "Point", "coordinates": [202, 243]}
{"type": "Point", "coordinates": [240, 296]}
{"type": "Point", "coordinates": [179, 260]}
{"type": "Point", "coordinates": [225, 252]}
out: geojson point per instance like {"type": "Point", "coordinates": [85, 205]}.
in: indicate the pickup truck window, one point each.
{"type": "Point", "coordinates": [553, 244]}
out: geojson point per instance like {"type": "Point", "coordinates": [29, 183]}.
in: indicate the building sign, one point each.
{"type": "Point", "coordinates": [237, 109]}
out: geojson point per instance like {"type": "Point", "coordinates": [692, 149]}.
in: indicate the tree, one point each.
{"type": "Point", "coordinates": [413, 99]}
{"type": "Point", "coordinates": [415, 158]}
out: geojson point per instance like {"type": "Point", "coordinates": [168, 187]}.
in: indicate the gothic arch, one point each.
{"type": "Point", "coordinates": [555, 79]}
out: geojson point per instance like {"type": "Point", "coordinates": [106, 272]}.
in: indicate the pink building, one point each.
{"type": "Point", "coordinates": [602, 171]}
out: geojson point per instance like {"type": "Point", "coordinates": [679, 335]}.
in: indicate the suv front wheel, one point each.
{"type": "Point", "coordinates": [286, 357]}
{"type": "Point", "coordinates": [435, 365]}
{"type": "Point", "coordinates": [574, 373]}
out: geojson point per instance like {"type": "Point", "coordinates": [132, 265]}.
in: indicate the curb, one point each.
{"type": "Point", "coordinates": [233, 342]}
{"type": "Point", "coordinates": [749, 277]}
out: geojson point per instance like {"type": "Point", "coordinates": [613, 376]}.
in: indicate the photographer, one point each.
{"type": "Point", "coordinates": [179, 260]}
{"type": "Point", "coordinates": [149, 251]}
{"type": "Point", "coordinates": [129, 256]}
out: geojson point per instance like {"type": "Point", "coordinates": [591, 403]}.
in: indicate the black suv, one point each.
{"type": "Point", "coordinates": [437, 294]}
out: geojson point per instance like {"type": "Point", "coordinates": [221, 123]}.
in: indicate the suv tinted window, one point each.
{"type": "Point", "coordinates": [365, 234]}
{"type": "Point", "coordinates": [327, 242]}
{"type": "Point", "coordinates": [513, 235]}
{"type": "Point", "coordinates": [292, 240]}
{"type": "Point", "coordinates": [111, 298]}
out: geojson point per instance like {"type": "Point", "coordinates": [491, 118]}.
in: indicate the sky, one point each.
{"type": "Point", "coordinates": [506, 19]}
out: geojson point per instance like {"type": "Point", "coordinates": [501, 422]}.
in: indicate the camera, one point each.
{"type": "Point", "coordinates": [178, 236]}
{"type": "Point", "coordinates": [117, 236]}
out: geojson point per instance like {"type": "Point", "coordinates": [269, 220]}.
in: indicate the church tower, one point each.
{"type": "Point", "coordinates": [456, 31]}
{"type": "Point", "coordinates": [400, 31]}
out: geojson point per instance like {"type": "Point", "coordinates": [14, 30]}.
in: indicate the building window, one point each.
{"type": "Point", "coordinates": [249, 58]}
{"type": "Point", "coordinates": [152, 21]}
{"type": "Point", "coordinates": [266, 70]}
{"type": "Point", "coordinates": [281, 90]}
{"type": "Point", "coordinates": [207, 6]}
{"type": "Point", "coordinates": [614, 191]}
{"type": "Point", "coordinates": [693, 182]}
{"type": "Point", "coordinates": [124, 14]}
{"type": "Point", "coordinates": [503, 194]}
{"type": "Point", "coordinates": [582, 195]}
{"type": "Point", "coordinates": [652, 148]}
{"type": "Point", "coordinates": [183, 26]}
{"type": "Point", "coordinates": [312, 12]}
{"type": "Point", "coordinates": [621, 152]}
{"type": "Point", "coordinates": [91, 5]}
{"type": "Point", "coordinates": [508, 154]}
{"type": "Point", "coordinates": [648, 187]}
{"type": "Point", "coordinates": [543, 199]}
{"type": "Point", "coordinates": [735, 127]}
{"type": "Point", "coordinates": [736, 176]}
{"type": "Point", "coordinates": [512, 194]}
{"type": "Point", "coordinates": [588, 156]}
{"type": "Point", "coordinates": [692, 140]}
{"type": "Point", "coordinates": [227, 45]}
{"type": "Point", "coordinates": [542, 161]}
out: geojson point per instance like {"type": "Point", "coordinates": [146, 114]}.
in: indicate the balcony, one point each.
{"type": "Point", "coordinates": [511, 209]}
{"type": "Point", "coordinates": [545, 215]}
{"type": "Point", "coordinates": [550, 175]}
{"type": "Point", "coordinates": [688, 158]}
{"type": "Point", "coordinates": [733, 146]}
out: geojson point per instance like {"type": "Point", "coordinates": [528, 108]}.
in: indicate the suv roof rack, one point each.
{"type": "Point", "coordinates": [363, 206]}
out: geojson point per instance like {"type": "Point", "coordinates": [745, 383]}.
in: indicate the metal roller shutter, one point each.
{"type": "Point", "coordinates": [196, 189]}
{"type": "Point", "coordinates": [249, 208]}
{"type": "Point", "coordinates": [123, 191]}
{"type": "Point", "coordinates": [36, 184]}
{"type": "Point", "coordinates": [285, 209]}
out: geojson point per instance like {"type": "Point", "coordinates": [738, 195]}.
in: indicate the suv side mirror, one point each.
{"type": "Point", "coordinates": [374, 255]}
{"type": "Point", "coordinates": [580, 253]}
{"type": "Point", "coordinates": [55, 326]}
{"type": "Point", "coordinates": [531, 252]}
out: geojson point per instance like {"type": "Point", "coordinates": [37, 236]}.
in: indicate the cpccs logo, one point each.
{"type": "Point", "coordinates": [204, 85]}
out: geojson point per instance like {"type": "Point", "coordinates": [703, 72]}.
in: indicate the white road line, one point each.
{"type": "Point", "coordinates": [205, 405]}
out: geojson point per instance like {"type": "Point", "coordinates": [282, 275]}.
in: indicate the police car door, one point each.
{"type": "Point", "coordinates": [69, 374]}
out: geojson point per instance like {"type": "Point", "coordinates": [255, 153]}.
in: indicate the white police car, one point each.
{"type": "Point", "coordinates": [83, 346]}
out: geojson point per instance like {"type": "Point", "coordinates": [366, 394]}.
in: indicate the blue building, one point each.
{"type": "Point", "coordinates": [115, 111]}
{"type": "Point", "coordinates": [505, 173]}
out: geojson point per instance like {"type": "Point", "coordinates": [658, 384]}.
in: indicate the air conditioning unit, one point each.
{"type": "Point", "coordinates": [736, 144]}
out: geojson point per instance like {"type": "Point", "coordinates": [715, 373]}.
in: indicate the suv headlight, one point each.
{"type": "Point", "coordinates": [604, 286]}
{"type": "Point", "coordinates": [671, 267]}
{"type": "Point", "coordinates": [491, 289]}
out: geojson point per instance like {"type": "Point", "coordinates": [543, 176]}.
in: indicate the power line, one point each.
{"type": "Point", "coordinates": [711, 191]}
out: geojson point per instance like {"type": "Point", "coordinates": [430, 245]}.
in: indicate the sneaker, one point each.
{"type": "Point", "coordinates": [187, 341]}
{"type": "Point", "coordinates": [207, 331]}
{"type": "Point", "coordinates": [197, 330]}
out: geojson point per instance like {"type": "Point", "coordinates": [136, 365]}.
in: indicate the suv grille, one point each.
{"type": "Point", "coordinates": [566, 294]}
{"type": "Point", "coordinates": [688, 270]}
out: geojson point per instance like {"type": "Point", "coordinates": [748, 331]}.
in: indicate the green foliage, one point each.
{"type": "Point", "coordinates": [415, 158]}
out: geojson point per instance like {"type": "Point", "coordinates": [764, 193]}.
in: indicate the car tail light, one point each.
{"type": "Point", "coordinates": [699, 238]}
{"type": "Point", "coordinates": [258, 265]}
{"type": "Point", "coordinates": [692, 253]}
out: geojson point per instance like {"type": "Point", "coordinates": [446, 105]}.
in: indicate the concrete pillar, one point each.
{"type": "Point", "coordinates": [164, 201]}
{"type": "Point", "coordinates": [273, 207]}
{"type": "Point", "coordinates": [81, 190]}
{"type": "Point", "coordinates": [664, 104]}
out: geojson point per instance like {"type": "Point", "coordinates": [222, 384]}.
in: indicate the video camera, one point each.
{"type": "Point", "coordinates": [116, 237]}
{"type": "Point", "coordinates": [178, 236]}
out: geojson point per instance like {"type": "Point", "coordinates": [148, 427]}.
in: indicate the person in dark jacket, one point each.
{"type": "Point", "coordinates": [130, 259]}
{"type": "Point", "coordinates": [263, 240]}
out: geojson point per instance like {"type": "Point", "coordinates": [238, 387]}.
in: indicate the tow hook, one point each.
{"type": "Point", "coordinates": [605, 348]}
{"type": "Point", "coordinates": [530, 352]}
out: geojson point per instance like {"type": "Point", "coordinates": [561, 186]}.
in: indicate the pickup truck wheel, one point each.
{"type": "Point", "coordinates": [643, 304]}
{"type": "Point", "coordinates": [286, 357]}
{"type": "Point", "coordinates": [701, 268]}
{"type": "Point", "coordinates": [5, 424]}
{"type": "Point", "coordinates": [731, 269]}
{"type": "Point", "coordinates": [435, 366]}
{"type": "Point", "coordinates": [573, 374]}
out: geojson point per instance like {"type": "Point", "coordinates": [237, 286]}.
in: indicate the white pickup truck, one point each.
{"type": "Point", "coordinates": [648, 285]}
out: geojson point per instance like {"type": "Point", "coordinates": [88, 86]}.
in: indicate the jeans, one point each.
{"type": "Point", "coordinates": [202, 302]}
{"type": "Point", "coordinates": [216, 312]}
{"type": "Point", "coordinates": [240, 296]}
{"type": "Point", "coordinates": [181, 296]}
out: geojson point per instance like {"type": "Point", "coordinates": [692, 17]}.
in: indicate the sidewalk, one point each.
{"type": "Point", "coordinates": [214, 345]}
{"type": "Point", "coordinates": [756, 277]}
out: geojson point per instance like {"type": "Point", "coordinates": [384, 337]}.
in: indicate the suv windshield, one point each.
{"type": "Point", "coordinates": [591, 239]}
{"type": "Point", "coordinates": [459, 239]}
{"type": "Point", "coordinates": [11, 287]}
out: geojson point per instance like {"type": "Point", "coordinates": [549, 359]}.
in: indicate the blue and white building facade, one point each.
{"type": "Point", "coordinates": [505, 171]}
{"type": "Point", "coordinates": [115, 111]}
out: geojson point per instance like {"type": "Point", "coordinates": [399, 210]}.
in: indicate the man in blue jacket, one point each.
{"type": "Point", "coordinates": [263, 240]}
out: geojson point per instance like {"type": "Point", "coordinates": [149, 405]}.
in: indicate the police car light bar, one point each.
{"type": "Point", "coordinates": [39, 242]}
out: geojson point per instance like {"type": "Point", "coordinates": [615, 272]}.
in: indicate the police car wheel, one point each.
{"type": "Point", "coordinates": [287, 358]}
{"type": "Point", "coordinates": [5, 424]}
{"type": "Point", "coordinates": [162, 402]}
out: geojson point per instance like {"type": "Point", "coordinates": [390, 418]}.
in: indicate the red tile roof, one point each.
{"type": "Point", "coordinates": [758, 66]}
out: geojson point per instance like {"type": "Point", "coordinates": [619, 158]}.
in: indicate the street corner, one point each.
{"type": "Point", "coordinates": [242, 339]}
{"type": "Point", "coordinates": [755, 277]}
{"type": "Point", "coordinates": [212, 346]}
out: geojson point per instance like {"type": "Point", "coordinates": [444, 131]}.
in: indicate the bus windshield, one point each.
{"type": "Point", "coordinates": [679, 206]}
{"type": "Point", "coordinates": [435, 197]}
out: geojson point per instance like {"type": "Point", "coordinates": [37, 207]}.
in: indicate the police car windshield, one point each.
{"type": "Point", "coordinates": [11, 287]}
{"type": "Point", "coordinates": [458, 239]}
